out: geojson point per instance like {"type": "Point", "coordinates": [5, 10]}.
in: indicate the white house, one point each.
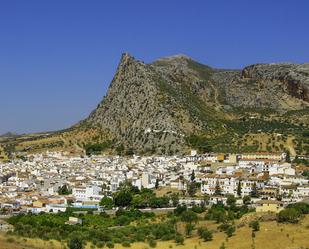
{"type": "Point", "coordinates": [88, 193]}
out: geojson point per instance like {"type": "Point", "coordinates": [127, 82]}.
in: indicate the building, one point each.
{"type": "Point", "coordinates": [88, 193]}
{"type": "Point", "coordinates": [264, 155]}
{"type": "Point", "coordinates": [269, 206]}
{"type": "Point", "coordinates": [74, 221]}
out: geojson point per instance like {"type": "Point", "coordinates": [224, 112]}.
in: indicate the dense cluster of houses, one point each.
{"type": "Point", "coordinates": [34, 184]}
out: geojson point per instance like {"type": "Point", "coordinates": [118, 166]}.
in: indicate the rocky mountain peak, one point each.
{"type": "Point", "coordinates": [155, 107]}
{"type": "Point", "coordinates": [126, 58]}
{"type": "Point", "coordinates": [175, 104]}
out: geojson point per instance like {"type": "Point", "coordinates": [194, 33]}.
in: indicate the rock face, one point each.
{"type": "Point", "coordinates": [155, 107]}
{"type": "Point", "coordinates": [281, 87]}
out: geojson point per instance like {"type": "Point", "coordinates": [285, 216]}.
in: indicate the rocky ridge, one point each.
{"type": "Point", "coordinates": [175, 103]}
{"type": "Point", "coordinates": [155, 107]}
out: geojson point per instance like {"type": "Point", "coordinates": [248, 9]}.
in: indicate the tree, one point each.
{"type": "Point", "coordinates": [180, 209]}
{"type": "Point", "coordinates": [175, 199]}
{"type": "Point", "coordinates": [192, 185]}
{"type": "Point", "coordinates": [231, 200]}
{"type": "Point", "coordinates": [152, 243]}
{"type": "Point", "coordinates": [130, 152]}
{"type": "Point", "coordinates": [290, 215]}
{"type": "Point", "coordinates": [205, 234]}
{"type": "Point", "coordinates": [179, 239]}
{"type": "Point", "coordinates": [239, 188]}
{"type": "Point", "coordinates": [157, 184]}
{"type": "Point", "coordinates": [200, 143]}
{"type": "Point", "coordinates": [230, 231]}
{"type": "Point", "coordinates": [189, 229]}
{"type": "Point", "coordinates": [192, 177]}
{"type": "Point", "coordinates": [246, 200]}
{"type": "Point", "coordinates": [306, 174]}
{"type": "Point", "coordinates": [206, 199]}
{"type": "Point", "coordinates": [64, 190]}
{"type": "Point", "coordinates": [75, 243]}
{"type": "Point", "coordinates": [254, 191]}
{"type": "Point", "coordinates": [192, 189]}
{"type": "Point", "coordinates": [255, 225]}
{"type": "Point", "coordinates": [94, 149]}
{"type": "Point", "coordinates": [128, 187]}
{"type": "Point", "coordinates": [120, 149]}
{"type": "Point", "coordinates": [189, 216]}
{"type": "Point", "coordinates": [123, 198]}
{"type": "Point", "coordinates": [218, 188]}
{"type": "Point", "coordinates": [107, 202]}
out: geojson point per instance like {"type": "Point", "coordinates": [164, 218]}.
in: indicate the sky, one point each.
{"type": "Point", "coordinates": [58, 57]}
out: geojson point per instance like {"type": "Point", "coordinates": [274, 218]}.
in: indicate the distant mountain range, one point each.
{"type": "Point", "coordinates": [9, 135]}
{"type": "Point", "coordinates": [175, 104]}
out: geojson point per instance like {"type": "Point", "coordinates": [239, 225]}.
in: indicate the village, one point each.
{"type": "Point", "coordinates": [52, 182]}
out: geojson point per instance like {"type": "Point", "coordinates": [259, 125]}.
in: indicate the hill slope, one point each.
{"type": "Point", "coordinates": [175, 103]}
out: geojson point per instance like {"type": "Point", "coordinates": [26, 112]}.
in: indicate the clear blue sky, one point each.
{"type": "Point", "coordinates": [57, 57]}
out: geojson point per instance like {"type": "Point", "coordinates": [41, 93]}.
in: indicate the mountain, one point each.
{"type": "Point", "coordinates": [158, 107]}
{"type": "Point", "coordinates": [9, 135]}
{"type": "Point", "coordinates": [175, 104]}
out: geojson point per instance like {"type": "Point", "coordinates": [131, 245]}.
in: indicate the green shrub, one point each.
{"type": "Point", "coordinates": [110, 244]}
{"type": "Point", "coordinates": [205, 234]}
{"type": "Point", "coordinates": [290, 215]}
{"type": "Point", "coordinates": [100, 244]}
{"type": "Point", "coordinates": [198, 209]}
{"type": "Point", "coordinates": [230, 231]}
{"type": "Point", "coordinates": [189, 216]}
{"type": "Point", "coordinates": [255, 225]}
{"type": "Point", "coordinates": [152, 243]}
{"type": "Point", "coordinates": [189, 229]}
{"type": "Point", "coordinates": [126, 244]}
{"type": "Point", "coordinates": [180, 209]}
{"type": "Point", "coordinates": [179, 239]}
{"type": "Point", "coordinates": [75, 243]}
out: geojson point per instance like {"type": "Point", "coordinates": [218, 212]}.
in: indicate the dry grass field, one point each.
{"type": "Point", "coordinates": [270, 236]}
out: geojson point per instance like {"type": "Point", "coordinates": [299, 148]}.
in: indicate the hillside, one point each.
{"type": "Point", "coordinates": [176, 103]}
{"type": "Point", "coordinates": [271, 235]}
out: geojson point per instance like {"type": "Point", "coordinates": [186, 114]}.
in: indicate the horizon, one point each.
{"type": "Point", "coordinates": [58, 59]}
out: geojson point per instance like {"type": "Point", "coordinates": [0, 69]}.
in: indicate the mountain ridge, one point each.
{"type": "Point", "coordinates": [187, 98]}
{"type": "Point", "coordinates": [174, 104]}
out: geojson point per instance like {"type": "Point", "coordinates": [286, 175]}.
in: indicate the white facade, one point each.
{"type": "Point", "coordinates": [89, 193]}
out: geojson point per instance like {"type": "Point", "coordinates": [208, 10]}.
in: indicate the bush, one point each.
{"type": "Point", "coordinates": [230, 231]}
{"type": "Point", "coordinates": [180, 209]}
{"type": "Point", "coordinates": [189, 216]}
{"type": "Point", "coordinates": [217, 213]}
{"type": "Point", "coordinates": [246, 200]}
{"type": "Point", "coordinates": [100, 244]}
{"type": "Point", "coordinates": [152, 243]}
{"type": "Point", "coordinates": [290, 215]}
{"type": "Point", "coordinates": [231, 200]}
{"type": "Point", "coordinates": [126, 244]}
{"type": "Point", "coordinates": [255, 225]}
{"type": "Point", "coordinates": [189, 229]}
{"type": "Point", "coordinates": [227, 228]}
{"type": "Point", "coordinates": [179, 239]}
{"type": "Point", "coordinates": [107, 202]}
{"type": "Point", "coordinates": [110, 244]}
{"type": "Point", "coordinates": [205, 234]}
{"type": "Point", "coordinates": [75, 243]}
{"type": "Point", "coordinates": [301, 207]}
{"type": "Point", "coordinates": [198, 209]}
